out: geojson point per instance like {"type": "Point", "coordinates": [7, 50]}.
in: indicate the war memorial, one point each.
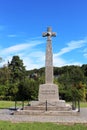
{"type": "Point", "coordinates": [48, 97]}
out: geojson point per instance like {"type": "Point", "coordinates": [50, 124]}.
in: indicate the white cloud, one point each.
{"type": "Point", "coordinates": [85, 55]}
{"type": "Point", "coordinates": [72, 46]}
{"type": "Point", "coordinates": [33, 57]}
{"type": "Point", "coordinates": [74, 63]}
{"type": "Point", "coordinates": [12, 35]}
{"type": "Point", "coordinates": [85, 52]}
{"type": "Point", "coordinates": [58, 61]}
{"type": "Point", "coordinates": [32, 63]}
{"type": "Point", "coordinates": [20, 47]}
{"type": "Point", "coordinates": [27, 51]}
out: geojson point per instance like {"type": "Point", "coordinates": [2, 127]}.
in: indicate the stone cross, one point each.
{"type": "Point", "coordinates": [49, 56]}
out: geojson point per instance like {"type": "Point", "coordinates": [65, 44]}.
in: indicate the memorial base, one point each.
{"type": "Point", "coordinates": [48, 103]}
{"type": "Point", "coordinates": [48, 92]}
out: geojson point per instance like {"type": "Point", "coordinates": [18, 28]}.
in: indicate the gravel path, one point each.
{"type": "Point", "coordinates": [5, 115]}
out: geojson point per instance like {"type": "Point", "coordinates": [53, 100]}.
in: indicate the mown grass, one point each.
{"type": "Point", "coordinates": [83, 104]}
{"type": "Point", "coordinates": [39, 126]}
{"type": "Point", "coordinates": [9, 104]}
{"type": "Point", "coordinates": [6, 104]}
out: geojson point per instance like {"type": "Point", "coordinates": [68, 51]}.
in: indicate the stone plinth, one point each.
{"type": "Point", "coordinates": [48, 92]}
{"type": "Point", "coordinates": [49, 97]}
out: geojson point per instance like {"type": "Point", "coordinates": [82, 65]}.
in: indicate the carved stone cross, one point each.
{"type": "Point", "coordinates": [49, 56]}
{"type": "Point", "coordinates": [49, 33]}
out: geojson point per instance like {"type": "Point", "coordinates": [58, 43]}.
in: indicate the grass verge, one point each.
{"type": "Point", "coordinates": [9, 104]}
{"type": "Point", "coordinates": [39, 126]}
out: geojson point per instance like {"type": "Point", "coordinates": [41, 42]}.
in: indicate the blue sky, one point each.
{"type": "Point", "coordinates": [22, 23]}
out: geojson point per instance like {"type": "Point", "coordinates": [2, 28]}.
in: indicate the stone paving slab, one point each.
{"type": "Point", "coordinates": [6, 116]}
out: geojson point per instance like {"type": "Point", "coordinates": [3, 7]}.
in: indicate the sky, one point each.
{"type": "Point", "coordinates": [22, 23]}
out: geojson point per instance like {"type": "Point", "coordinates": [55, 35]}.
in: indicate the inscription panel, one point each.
{"type": "Point", "coordinates": [48, 92]}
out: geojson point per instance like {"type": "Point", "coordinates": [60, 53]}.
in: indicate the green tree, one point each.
{"type": "Point", "coordinates": [28, 89]}
{"type": "Point", "coordinates": [4, 81]}
{"type": "Point", "coordinates": [70, 76]}
{"type": "Point", "coordinates": [4, 75]}
{"type": "Point", "coordinates": [17, 74]}
{"type": "Point", "coordinates": [78, 91]}
{"type": "Point", "coordinates": [17, 68]}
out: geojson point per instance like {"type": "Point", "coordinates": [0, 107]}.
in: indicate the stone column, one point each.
{"type": "Point", "coordinates": [49, 57]}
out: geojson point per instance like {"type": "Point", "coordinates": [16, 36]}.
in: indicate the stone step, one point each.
{"type": "Point", "coordinates": [47, 113]}
{"type": "Point", "coordinates": [53, 108]}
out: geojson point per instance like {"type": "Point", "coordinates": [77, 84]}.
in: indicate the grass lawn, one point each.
{"type": "Point", "coordinates": [82, 104]}
{"type": "Point", "coordinates": [8, 104]}
{"type": "Point", "coordinates": [39, 126]}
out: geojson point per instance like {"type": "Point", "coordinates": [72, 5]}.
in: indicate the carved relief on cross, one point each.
{"type": "Point", "coordinates": [49, 33]}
